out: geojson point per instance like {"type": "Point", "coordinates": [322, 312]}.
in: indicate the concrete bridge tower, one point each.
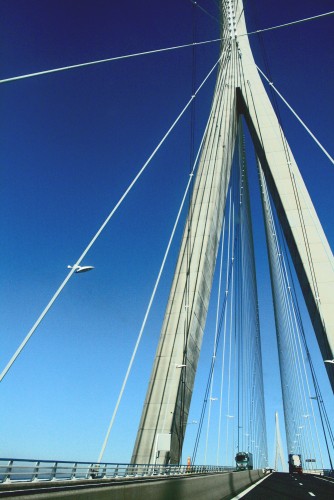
{"type": "Point", "coordinates": [239, 91]}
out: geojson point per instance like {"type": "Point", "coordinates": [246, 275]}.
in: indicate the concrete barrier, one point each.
{"type": "Point", "coordinates": [202, 487]}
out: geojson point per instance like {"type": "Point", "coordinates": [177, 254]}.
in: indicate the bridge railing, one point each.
{"type": "Point", "coordinates": [17, 469]}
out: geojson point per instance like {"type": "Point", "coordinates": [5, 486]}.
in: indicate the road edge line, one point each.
{"type": "Point", "coordinates": [247, 490]}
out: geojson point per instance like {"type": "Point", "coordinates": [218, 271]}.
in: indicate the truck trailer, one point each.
{"type": "Point", "coordinates": [295, 464]}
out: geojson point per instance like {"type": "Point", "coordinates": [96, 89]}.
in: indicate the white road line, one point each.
{"type": "Point", "coordinates": [323, 479]}
{"type": "Point", "coordinates": [243, 493]}
{"type": "Point", "coordinates": [301, 484]}
{"type": "Point", "coordinates": [312, 494]}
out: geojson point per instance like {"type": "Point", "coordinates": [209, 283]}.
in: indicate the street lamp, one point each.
{"type": "Point", "coordinates": [81, 269]}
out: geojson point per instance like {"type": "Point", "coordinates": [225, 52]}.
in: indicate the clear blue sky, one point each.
{"type": "Point", "coordinates": [71, 142]}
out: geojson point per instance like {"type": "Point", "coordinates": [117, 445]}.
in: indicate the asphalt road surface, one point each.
{"type": "Point", "coordinates": [283, 486]}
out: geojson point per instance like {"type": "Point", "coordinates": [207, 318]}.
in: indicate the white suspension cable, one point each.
{"type": "Point", "coordinates": [91, 243]}
{"type": "Point", "coordinates": [306, 378]}
{"type": "Point", "coordinates": [196, 4]}
{"type": "Point", "coordinates": [224, 338]}
{"type": "Point", "coordinates": [296, 350]}
{"type": "Point", "coordinates": [301, 378]}
{"type": "Point", "coordinates": [230, 339]}
{"type": "Point", "coordinates": [305, 374]}
{"type": "Point", "coordinates": [297, 360]}
{"type": "Point", "coordinates": [215, 339]}
{"type": "Point", "coordinates": [191, 176]}
{"type": "Point", "coordinates": [289, 24]}
{"type": "Point", "coordinates": [297, 116]}
{"type": "Point", "coordinates": [109, 59]}
{"type": "Point", "coordinates": [229, 282]}
{"type": "Point", "coordinates": [287, 356]}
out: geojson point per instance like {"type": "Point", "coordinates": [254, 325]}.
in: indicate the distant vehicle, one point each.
{"type": "Point", "coordinates": [244, 461]}
{"type": "Point", "coordinates": [295, 464]}
{"type": "Point", "coordinates": [269, 469]}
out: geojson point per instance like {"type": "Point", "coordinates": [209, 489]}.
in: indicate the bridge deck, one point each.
{"type": "Point", "coordinates": [283, 485]}
{"type": "Point", "coordinates": [225, 486]}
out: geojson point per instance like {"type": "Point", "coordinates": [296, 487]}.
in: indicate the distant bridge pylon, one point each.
{"type": "Point", "coordinates": [279, 455]}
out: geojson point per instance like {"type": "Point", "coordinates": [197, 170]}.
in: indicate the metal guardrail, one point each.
{"type": "Point", "coordinates": [24, 470]}
{"type": "Point", "coordinates": [328, 473]}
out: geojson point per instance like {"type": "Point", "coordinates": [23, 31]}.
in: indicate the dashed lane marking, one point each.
{"type": "Point", "coordinates": [323, 479]}
{"type": "Point", "coordinates": [312, 494]}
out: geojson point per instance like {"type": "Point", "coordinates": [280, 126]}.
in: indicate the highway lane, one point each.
{"type": "Point", "coordinates": [281, 486]}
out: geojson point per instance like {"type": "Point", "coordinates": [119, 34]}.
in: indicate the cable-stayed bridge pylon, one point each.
{"type": "Point", "coordinates": [239, 91]}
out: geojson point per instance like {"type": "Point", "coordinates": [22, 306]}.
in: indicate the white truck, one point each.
{"type": "Point", "coordinates": [295, 463]}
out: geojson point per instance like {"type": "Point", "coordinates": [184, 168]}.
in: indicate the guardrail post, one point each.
{"type": "Point", "coordinates": [54, 471]}
{"type": "Point", "coordinates": [7, 478]}
{"type": "Point", "coordinates": [74, 470]}
{"type": "Point", "coordinates": [35, 473]}
{"type": "Point", "coordinates": [93, 471]}
{"type": "Point", "coordinates": [88, 472]}
{"type": "Point", "coordinates": [104, 471]}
